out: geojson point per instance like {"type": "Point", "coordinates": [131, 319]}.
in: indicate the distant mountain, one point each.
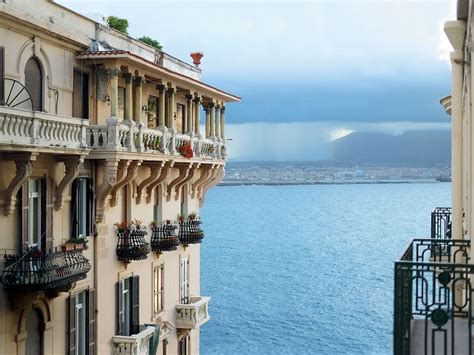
{"type": "Point", "coordinates": [413, 147]}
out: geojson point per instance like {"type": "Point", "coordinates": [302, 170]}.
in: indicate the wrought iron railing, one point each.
{"type": "Point", "coordinates": [131, 245]}
{"type": "Point", "coordinates": [441, 223]}
{"type": "Point", "coordinates": [39, 271]}
{"type": "Point", "coordinates": [164, 237]}
{"type": "Point", "coordinates": [433, 298]}
{"type": "Point", "coordinates": [190, 232]}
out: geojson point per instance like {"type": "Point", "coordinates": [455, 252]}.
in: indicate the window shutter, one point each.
{"type": "Point", "coordinates": [24, 215]}
{"type": "Point", "coordinates": [2, 76]}
{"type": "Point", "coordinates": [90, 207]}
{"type": "Point", "coordinates": [91, 336]}
{"type": "Point", "coordinates": [119, 300]}
{"type": "Point", "coordinates": [72, 325]}
{"type": "Point", "coordinates": [48, 220]}
{"type": "Point", "coordinates": [135, 305]}
{"type": "Point", "coordinates": [74, 209]}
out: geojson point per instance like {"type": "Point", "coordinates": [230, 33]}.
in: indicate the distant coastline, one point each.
{"type": "Point", "coordinates": [351, 182]}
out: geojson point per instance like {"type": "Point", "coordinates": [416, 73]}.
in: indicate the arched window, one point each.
{"type": "Point", "coordinates": [34, 83]}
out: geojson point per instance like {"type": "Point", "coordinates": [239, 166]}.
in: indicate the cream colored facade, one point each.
{"type": "Point", "coordinates": [128, 149]}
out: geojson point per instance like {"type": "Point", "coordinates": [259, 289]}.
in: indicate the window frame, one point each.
{"type": "Point", "coordinates": [82, 205]}
{"type": "Point", "coordinates": [158, 289]}
{"type": "Point", "coordinates": [184, 345]}
{"type": "Point", "coordinates": [184, 280]}
{"type": "Point", "coordinates": [128, 312]}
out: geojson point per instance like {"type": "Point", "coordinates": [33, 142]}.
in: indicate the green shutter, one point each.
{"type": "Point", "coordinates": [91, 334]}
{"type": "Point", "coordinates": [135, 305]}
{"type": "Point", "coordinates": [72, 325]}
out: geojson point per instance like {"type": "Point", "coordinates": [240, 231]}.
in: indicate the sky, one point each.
{"type": "Point", "coordinates": [308, 72]}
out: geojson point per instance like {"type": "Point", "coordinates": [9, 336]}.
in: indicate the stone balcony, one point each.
{"type": "Point", "coordinates": [194, 314]}
{"type": "Point", "coordinates": [40, 130]}
{"type": "Point", "coordinates": [130, 137]}
{"type": "Point", "coordinates": [137, 344]}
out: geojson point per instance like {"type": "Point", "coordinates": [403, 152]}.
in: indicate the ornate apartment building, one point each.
{"type": "Point", "coordinates": [434, 306]}
{"type": "Point", "coordinates": [103, 168]}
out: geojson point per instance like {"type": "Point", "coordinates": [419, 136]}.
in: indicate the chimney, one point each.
{"type": "Point", "coordinates": [196, 58]}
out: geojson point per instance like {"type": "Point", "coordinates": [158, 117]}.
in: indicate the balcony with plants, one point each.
{"type": "Point", "coordinates": [190, 231]}
{"type": "Point", "coordinates": [37, 270]}
{"type": "Point", "coordinates": [131, 242]}
{"type": "Point", "coordinates": [164, 236]}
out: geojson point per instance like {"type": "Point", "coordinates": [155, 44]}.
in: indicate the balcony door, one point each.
{"type": "Point", "coordinates": [184, 279]}
{"type": "Point", "coordinates": [80, 98]}
{"type": "Point", "coordinates": [34, 334]}
{"type": "Point", "coordinates": [34, 83]}
{"type": "Point", "coordinates": [180, 118]}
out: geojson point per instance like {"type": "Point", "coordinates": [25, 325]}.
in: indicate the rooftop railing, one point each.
{"type": "Point", "coordinates": [39, 271]}
{"type": "Point", "coordinates": [433, 298]}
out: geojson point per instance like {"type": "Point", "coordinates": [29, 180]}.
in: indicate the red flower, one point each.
{"type": "Point", "coordinates": [186, 151]}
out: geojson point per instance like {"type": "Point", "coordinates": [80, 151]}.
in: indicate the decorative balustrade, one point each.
{"type": "Point", "coordinates": [39, 271]}
{"type": "Point", "coordinates": [164, 237]}
{"type": "Point", "coordinates": [137, 344]}
{"type": "Point", "coordinates": [119, 136]}
{"type": "Point", "coordinates": [41, 129]}
{"type": "Point", "coordinates": [193, 314]}
{"type": "Point", "coordinates": [131, 245]}
{"type": "Point", "coordinates": [441, 223]}
{"type": "Point", "coordinates": [433, 298]}
{"type": "Point", "coordinates": [190, 232]}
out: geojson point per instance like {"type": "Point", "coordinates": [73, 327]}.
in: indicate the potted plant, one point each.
{"type": "Point", "coordinates": [186, 150]}
{"type": "Point", "coordinates": [79, 243]}
{"type": "Point", "coordinates": [192, 216]}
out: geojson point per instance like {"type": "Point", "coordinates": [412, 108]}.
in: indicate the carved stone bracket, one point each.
{"type": "Point", "coordinates": [24, 167]}
{"type": "Point", "coordinates": [111, 172]}
{"type": "Point", "coordinates": [188, 178]}
{"type": "Point", "coordinates": [155, 170]}
{"type": "Point", "coordinates": [183, 173]}
{"type": "Point", "coordinates": [164, 173]}
{"type": "Point", "coordinates": [71, 164]}
{"type": "Point", "coordinates": [132, 172]}
{"type": "Point", "coordinates": [205, 173]}
{"type": "Point", "coordinates": [219, 174]}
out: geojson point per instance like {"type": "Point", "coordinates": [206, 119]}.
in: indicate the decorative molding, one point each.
{"type": "Point", "coordinates": [205, 172]}
{"type": "Point", "coordinates": [190, 175]}
{"type": "Point", "coordinates": [164, 173]}
{"type": "Point", "coordinates": [71, 164]}
{"type": "Point", "coordinates": [112, 170]}
{"type": "Point", "coordinates": [183, 173]}
{"type": "Point", "coordinates": [132, 172]}
{"type": "Point", "coordinates": [155, 170]}
{"type": "Point", "coordinates": [24, 167]}
{"type": "Point", "coordinates": [219, 174]}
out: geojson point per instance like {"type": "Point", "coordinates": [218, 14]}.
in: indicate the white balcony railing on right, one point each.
{"type": "Point", "coordinates": [41, 129]}
{"type": "Point", "coordinates": [194, 314]}
{"type": "Point", "coordinates": [137, 344]}
{"type": "Point", "coordinates": [120, 136]}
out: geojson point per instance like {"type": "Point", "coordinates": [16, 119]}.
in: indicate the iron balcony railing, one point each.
{"type": "Point", "coordinates": [441, 223]}
{"type": "Point", "coordinates": [39, 271]}
{"type": "Point", "coordinates": [190, 232]}
{"type": "Point", "coordinates": [433, 298]}
{"type": "Point", "coordinates": [131, 245]}
{"type": "Point", "coordinates": [164, 237]}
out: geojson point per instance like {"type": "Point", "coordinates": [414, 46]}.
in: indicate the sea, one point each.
{"type": "Point", "coordinates": [307, 269]}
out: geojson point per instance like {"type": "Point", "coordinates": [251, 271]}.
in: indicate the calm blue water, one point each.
{"type": "Point", "coordinates": [307, 269]}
